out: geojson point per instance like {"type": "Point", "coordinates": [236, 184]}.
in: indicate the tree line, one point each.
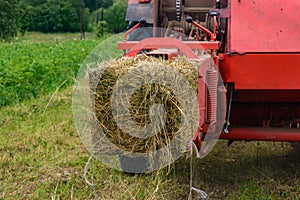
{"type": "Point", "coordinates": [48, 16]}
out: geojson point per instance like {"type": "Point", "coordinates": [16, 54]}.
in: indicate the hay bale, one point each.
{"type": "Point", "coordinates": [141, 102]}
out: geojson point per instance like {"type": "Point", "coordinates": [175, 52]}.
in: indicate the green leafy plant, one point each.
{"type": "Point", "coordinates": [101, 28]}
{"type": "Point", "coordinates": [8, 19]}
{"type": "Point", "coordinates": [30, 69]}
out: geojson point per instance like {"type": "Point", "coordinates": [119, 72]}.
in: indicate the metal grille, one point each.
{"type": "Point", "coordinates": [137, 11]}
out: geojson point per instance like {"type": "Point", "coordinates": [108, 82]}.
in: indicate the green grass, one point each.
{"type": "Point", "coordinates": [37, 37]}
{"type": "Point", "coordinates": [251, 170]}
{"type": "Point", "coordinates": [42, 156]}
{"type": "Point", "coordinates": [30, 69]}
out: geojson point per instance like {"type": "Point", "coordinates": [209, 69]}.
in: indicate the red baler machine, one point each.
{"type": "Point", "coordinates": [255, 46]}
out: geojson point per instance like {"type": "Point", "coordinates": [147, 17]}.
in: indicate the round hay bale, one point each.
{"type": "Point", "coordinates": [142, 102]}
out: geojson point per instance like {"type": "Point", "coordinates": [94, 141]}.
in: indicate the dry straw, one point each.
{"type": "Point", "coordinates": [140, 102]}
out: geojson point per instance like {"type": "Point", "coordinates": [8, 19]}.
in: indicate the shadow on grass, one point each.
{"type": "Point", "coordinates": [253, 170]}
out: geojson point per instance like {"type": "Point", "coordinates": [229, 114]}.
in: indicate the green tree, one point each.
{"type": "Point", "coordinates": [8, 19]}
{"type": "Point", "coordinates": [101, 28]}
{"type": "Point", "coordinates": [33, 2]}
{"type": "Point", "coordinates": [115, 16]}
{"type": "Point", "coordinates": [61, 16]}
{"type": "Point", "coordinates": [93, 5]}
{"type": "Point", "coordinates": [51, 16]}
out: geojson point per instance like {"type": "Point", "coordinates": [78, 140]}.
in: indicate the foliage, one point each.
{"type": "Point", "coordinates": [8, 19]}
{"type": "Point", "coordinates": [62, 16]}
{"type": "Point", "coordinates": [92, 4]}
{"type": "Point", "coordinates": [34, 2]}
{"type": "Point", "coordinates": [51, 16]}
{"type": "Point", "coordinates": [101, 28]}
{"type": "Point", "coordinates": [31, 69]}
{"type": "Point", "coordinates": [115, 16]}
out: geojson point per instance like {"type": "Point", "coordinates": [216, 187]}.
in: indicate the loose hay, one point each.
{"type": "Point", "coordinates": [141, 103]}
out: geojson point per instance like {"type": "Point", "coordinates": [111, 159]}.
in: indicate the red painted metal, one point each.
{"type": "Point", "coordinates": [264, 26]}
{"type": "Point", "coordinates": [130, 30]}
{"type": "Point", "coordinates": [215, 27]}
{"type": "Point", "coordinates": [262, 71]}
{"type": "Point", "coordinates": [206, 113]}
{"type": "Point", "coordinates": [264, 134]}
{"type": "Point", "coordinates": [211, 35]}
{"type": "Point", "coordinates": [201, 94]}
{"type": "Point", "coordinates": [133, 1]}
{"type": "Point", "coordinates": [144, 1]}
{"type": "Point", "coordinates": [276, 96]}
{"type": "Point", "coordinates": [264, 114]}
{"type": "Point", "coordinates": [262, 59]}
{"type": "Point", "coordinates": [192, 44]}
{"type": "Point", "coordinates": [155, 43]}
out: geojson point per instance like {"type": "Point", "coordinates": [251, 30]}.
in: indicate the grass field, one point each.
{"type": "Point", "coordinates": [42, 156]}
{"type": "Point", "coordinates": [38, 63]}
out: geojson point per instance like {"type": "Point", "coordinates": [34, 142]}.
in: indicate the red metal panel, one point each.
{"type": "Point", "coordinates": [192, 44]}
{"type": "Point", "coordinates": [268, 96]}
{"type": "Point", "coordinates": [262, 71]}
{"type": "Point", "coordinates": [155, 43]}
{"type": "Point", "coordinates": [267, 134]}
{"type": "Point", "coordinates": [133, 1]}
{"type": "Point", "coordinates": [265, 26]}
